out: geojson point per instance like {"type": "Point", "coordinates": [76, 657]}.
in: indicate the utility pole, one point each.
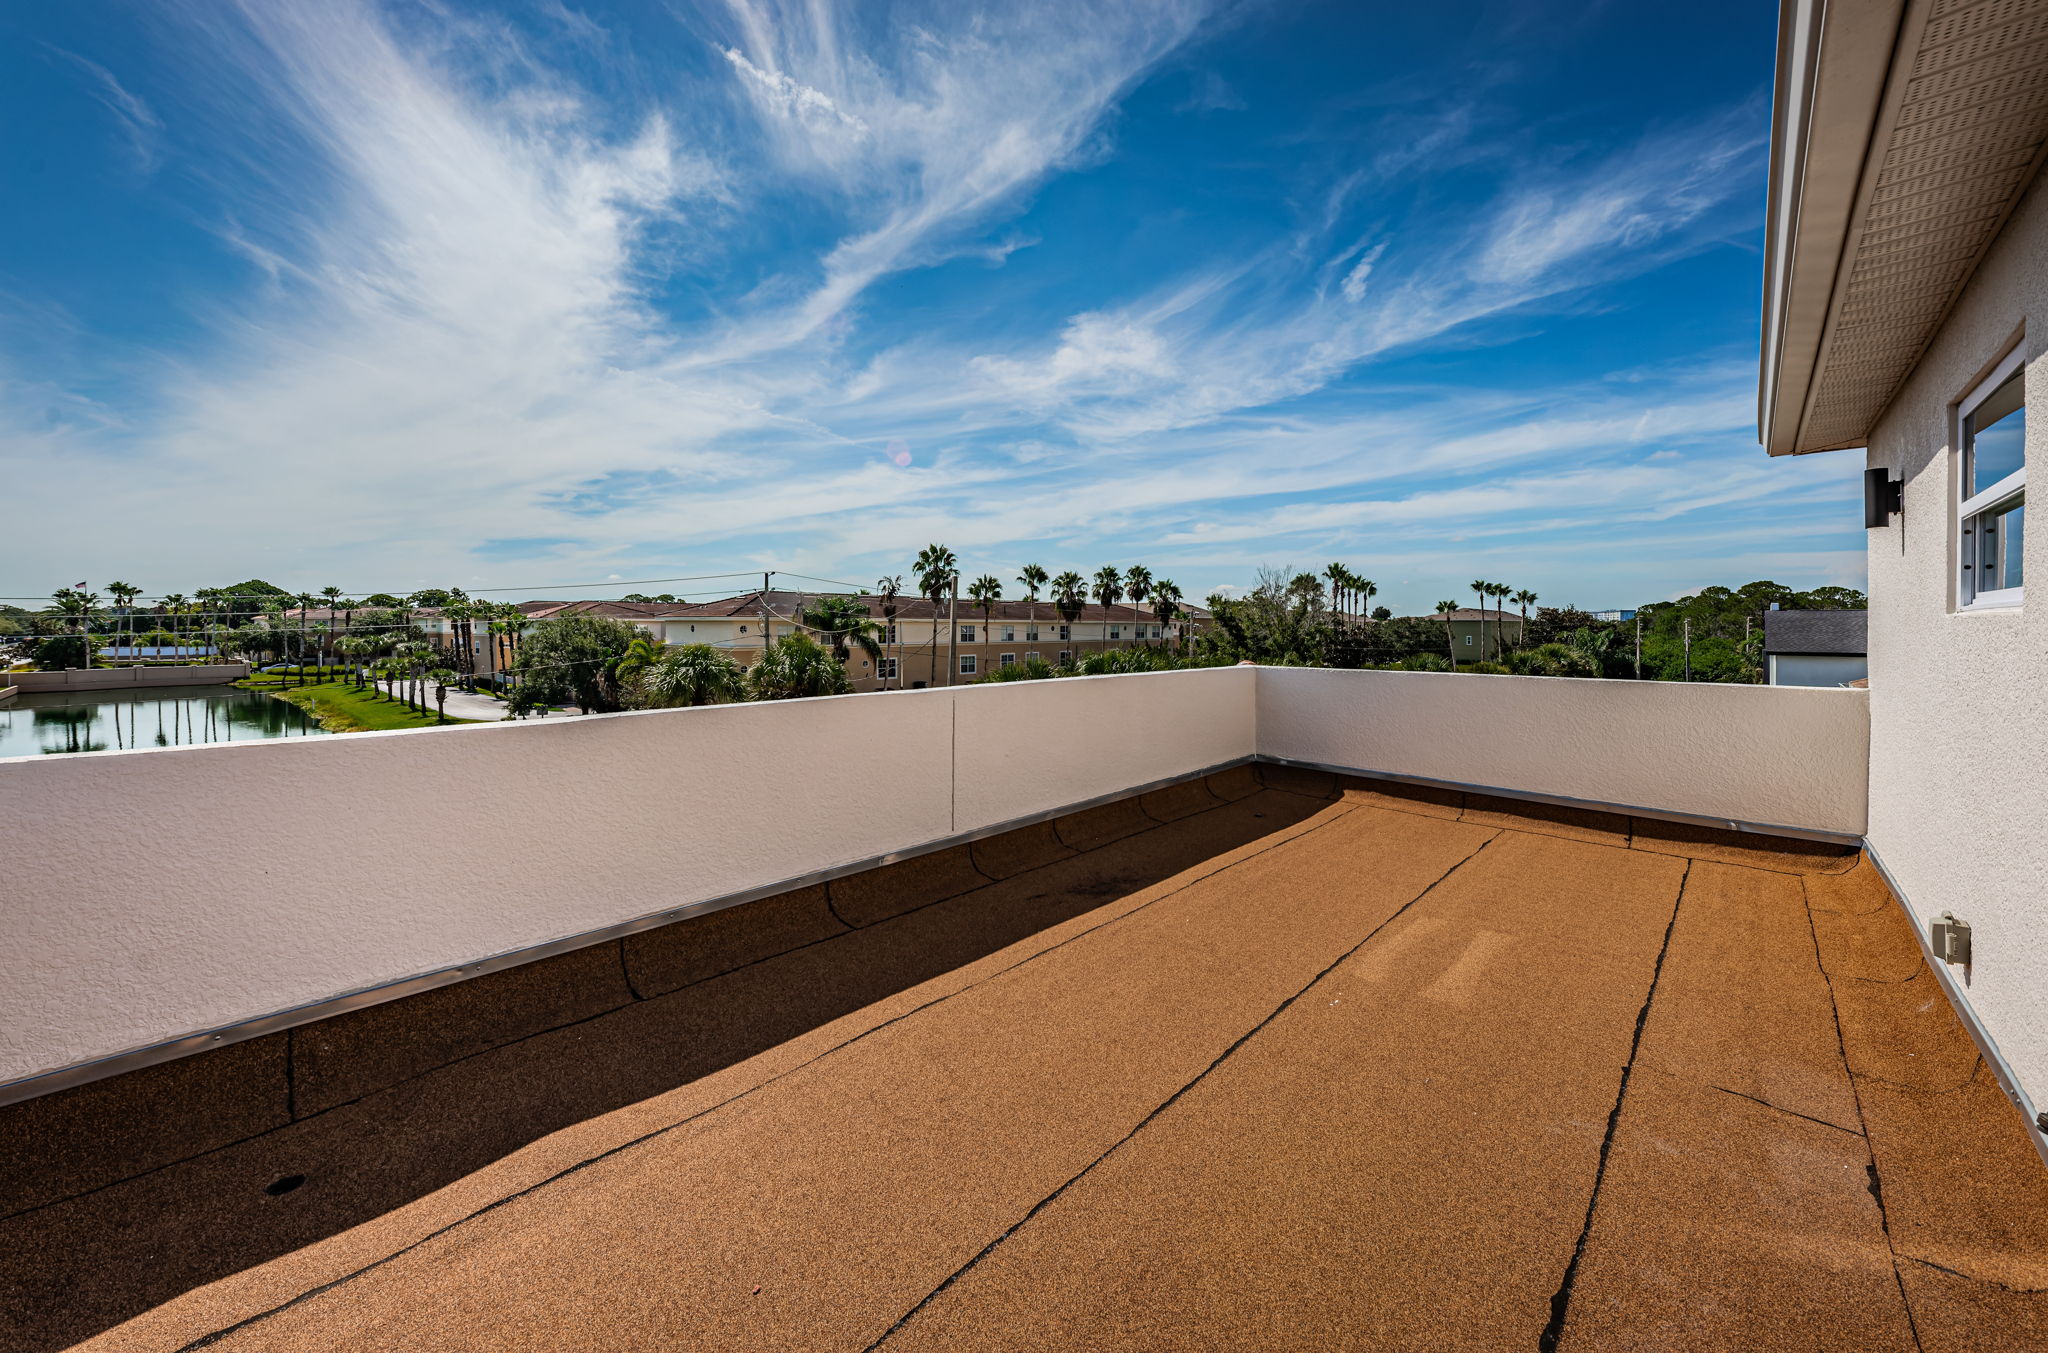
{"type": "Point", "coordinates": [953, 630]}
{"type": "Point", "coordinates": [765, 635]}
{"type": "Point", "coordinates": [1639, 646]}
{"type": "Point", "coordinates": [1687, 622]}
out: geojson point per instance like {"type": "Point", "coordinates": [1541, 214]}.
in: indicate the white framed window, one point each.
{"type": "Point", "coordinates": [1468, 641]}
{"type": "Point", "coordinates": [888, 633]}
{"type": "Point", "coordinates": [1065, 637]}
{"type": "Point", "coordinates": [1007, 660]}
{"type": "Point", "coordinates": [1066, 656]}
{"type": "Point", "coordinates": [1033, 657]}
{"type": "Point", "coordinates": [968, 664]}
{"type": "Point", "coordinates": [1991, 438]}
{"type": "Point", "coordinates": [1031, 634]}
{"type": "Point", "coordinates": [1116, 631]}
{"type": "Point", "coordinates": [1009, 634]}
{"type": "Point", "coordinates": [887, 669]}
{"type": "Point", "coordinates": [967, 634]}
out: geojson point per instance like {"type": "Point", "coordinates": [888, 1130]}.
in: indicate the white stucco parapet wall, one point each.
{"type": "Point", "coordinates": [162, 893]}
{"type": "Point", "coordinates": [1754, 755]}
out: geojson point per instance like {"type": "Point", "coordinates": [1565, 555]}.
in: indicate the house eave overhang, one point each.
{"type": "Point", "coordinates": [1903, 134]}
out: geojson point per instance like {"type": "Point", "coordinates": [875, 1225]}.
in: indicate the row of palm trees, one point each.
{"type": "Point", "coordinates": [936, 575]}
{"type": "Point", "coordinates": [1497, 593]}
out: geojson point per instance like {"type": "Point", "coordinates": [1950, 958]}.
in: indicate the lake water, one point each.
{"type": "Point", "coordinates": [97, 721]}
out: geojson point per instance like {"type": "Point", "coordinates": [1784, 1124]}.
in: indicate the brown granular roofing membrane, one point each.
{"type": "Point", "coordinates": [1283, 1062]}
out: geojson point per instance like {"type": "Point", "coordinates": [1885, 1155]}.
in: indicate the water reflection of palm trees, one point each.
{"type": "Point", "coordinates": [98, 721]}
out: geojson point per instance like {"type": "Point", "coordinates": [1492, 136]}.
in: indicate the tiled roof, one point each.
{"type": "Point", "coordinates": [1815, 632]}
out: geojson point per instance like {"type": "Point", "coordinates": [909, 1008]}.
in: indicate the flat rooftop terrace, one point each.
{"type": "Point", "coordinates": [1267, 1060]}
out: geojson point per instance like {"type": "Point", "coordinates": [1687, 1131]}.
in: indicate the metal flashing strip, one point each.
{"type": "Point", "coordinates": [63, 1078]}
{"type": "Point", "coordinates": [1593, 805]}
{"type": "Point", "coordinates": [1959, 1001]}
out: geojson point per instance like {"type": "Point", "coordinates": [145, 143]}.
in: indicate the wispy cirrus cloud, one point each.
{"type": "Point", "coordinates": [513, 293]}
{"type": "Point", "coordinates": [140, 127]}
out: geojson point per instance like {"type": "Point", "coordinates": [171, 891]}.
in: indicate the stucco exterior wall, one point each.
{"type": "Point", "coordinates": [118, 678]}
{"type": "Point", "coordinates": [1765, 755]}
{"type": "Point", "coordinates": [1959, 701]}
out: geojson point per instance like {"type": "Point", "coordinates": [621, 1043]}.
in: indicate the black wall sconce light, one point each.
{"type": "Point", "coordinates": [1882, 497]}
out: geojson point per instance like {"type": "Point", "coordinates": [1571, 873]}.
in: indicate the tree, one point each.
{"type": "Point", "coordinates": [985, 592]}
{"type": "Point", "coordinates": [1034, 577]}
{"type": "Point", "coordinates": [1069, 595]}
{"type": "Point", "coordinates": [1280, 622]}
{"type": "Point", "coordinates": [692, 674]}
{"type": "Point", "coordinates": [1166, 604]}
{"type": "Point", "coordinates": [937, 569]}
{"type": "Point", "coordinates": [844, 625]}
{"type": "Point", "coordinates": [1444, 609]}
{"type": "Point", "coordinates": [1485, 590]}
{"type": "Point", "coordinates": [889, 586]}
{"type": "Point", "coordinates": [124, 595]}
{"type": "Point", "coordinates": [1138, 586]}
{"type": "Point", "coordinates": [795, 667]}
{"type": "Point", "coordinates": [441, 676]}
{"type": "Point", "coordinates": [1109, 589]}
{"type": "Point", "coordinates": [1525, 599]}
{"type": "Point", "coordinates": [1499, 592]}
{"type": "Point", "coordinates": [640, 655]}
{"type": "Point", "coordinates": [1382, 613]}
{"type": "Point", "coordinates": [570, 660]}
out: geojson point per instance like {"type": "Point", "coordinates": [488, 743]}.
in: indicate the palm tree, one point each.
{"type": "Point", "coordinates": [441, 676]}
{"type": "Point", "coordinates": [1166, 602]}
{"type": "Point", "coordinates": [124, 595]}
{"type": "Point", "coordinates": [78, 603]}
{"type": "Point", "coordinates": [332, 596]}
{"type": "Point", "coordinates": [1033, 576]}
{"type": "Point", "coordinates": [985, 592]}
{"type": "Point", "coordinates": [938, 571]}
{"type": "Point", "coordinates": [694, 674]}
{"type": "Point", "coordinates": [1109, 589]}
{"type": "Point", "coordinates": [1363, 589]}
{"type": "Point", "coordinates": [1340, 582]}
{"type": "Point", "coordinates": [1069, 594]}
{"type": "Point", "coordinates": [1138, 586]}
{"type": "Point", "coordinates": [1444, 609]}
{"type": "Point", "coordinates": [890, 585]}
{"type": "Point", "coordinates": [1482, 587]}
{"type": "Point", "coordinates": [794, 667]}
{"type": "Point", "coordinates": [1525, 599]}
{"type": "Point", "coordinates": [173, 606]}
{"type": "Point", "coordinates": [640, 655]}
{"type": "Point", "coordinates": [844, 624]}
{"type": "Point", "coordinates": [1501, 592]}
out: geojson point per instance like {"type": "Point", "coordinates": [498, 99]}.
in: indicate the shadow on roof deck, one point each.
{"type": "Point", "coordinates": [1261, 1061]}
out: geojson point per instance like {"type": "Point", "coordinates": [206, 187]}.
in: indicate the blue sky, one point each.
{"type": "Point", "coordinates": [388, 295]}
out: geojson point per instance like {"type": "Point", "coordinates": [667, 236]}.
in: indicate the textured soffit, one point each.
{"type": "Point", "coordinates": [1964, 134]}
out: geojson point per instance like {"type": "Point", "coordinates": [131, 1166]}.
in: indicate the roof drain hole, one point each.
{"type": "Point", "coordinates": [278, 1188]}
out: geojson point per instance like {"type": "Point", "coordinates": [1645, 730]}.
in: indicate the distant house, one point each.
{"type": "Point", "coordinates": [1477, 635]}
{"type": "Point", "coordinates": [1815, 648]}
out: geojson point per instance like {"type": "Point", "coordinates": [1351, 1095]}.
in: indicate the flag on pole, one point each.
{"type": "Point", "coordinates": [78, 587]}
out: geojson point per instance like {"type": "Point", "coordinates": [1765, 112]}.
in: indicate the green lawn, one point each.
{"type": "Point", "coordinates": [341, 708]}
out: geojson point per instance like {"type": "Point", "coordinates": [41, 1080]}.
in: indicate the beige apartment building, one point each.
{"type": "Point", "coordinates": [919, 647]}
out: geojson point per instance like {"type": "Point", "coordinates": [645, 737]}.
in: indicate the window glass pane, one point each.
{"type": "Point", "coordinates": [1996, 435]}
{"type": "Point", "coordinates": [2001, 546]}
